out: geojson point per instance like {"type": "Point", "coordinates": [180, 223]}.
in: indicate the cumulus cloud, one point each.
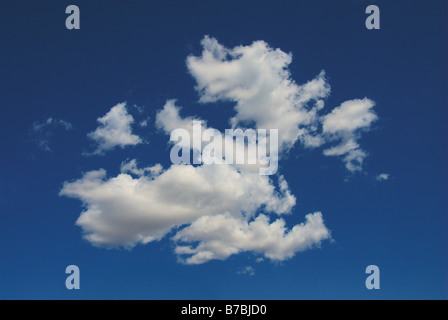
{"type": "Point", "coordinates": [223, 235]}
{"type": "Point", "coordinates": [126, 210]}
{"type": "Point", "coordinates": [43, 130]}
{"type": "Point", "coordinates": [169, 119]}
{"type": "Point", "coordinates": [114, 130]}
{"type": "Point", "coordinates": [257, 79]}
{"type": "Point", "coordinates": [217, 210]}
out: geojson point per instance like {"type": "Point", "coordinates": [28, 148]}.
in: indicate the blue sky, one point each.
{"type": "Point", "coordinates": [56, 83]}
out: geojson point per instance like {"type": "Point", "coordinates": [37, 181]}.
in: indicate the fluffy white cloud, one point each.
{"type": "Point", "coordinates": [216, 210]}
{"type": "Point", "coordinates": [123, 210]}
{"type": "Point", "coordinates": [349, 116]}
{"type": "Point", "coordinates": [169, 119]}
{"type": "Point", "coordinates": [223, 235]}
{"type": "Point", "coordinates": [257, 78]}
{"type": "Point", "coordinates": [114, 130]}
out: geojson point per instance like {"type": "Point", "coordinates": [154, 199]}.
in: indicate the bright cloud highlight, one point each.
{"type": "Point", "coordinates": [114, 130]}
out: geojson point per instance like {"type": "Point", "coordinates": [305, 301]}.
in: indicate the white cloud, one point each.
{"type": "Point", "coordinates": [169, 119]}
{"type": "Point", "coordinates": [354, 159]}
{"type": "Point", "coordinates": [344, 123]}
{"type": "Point", "coordinates": [382, 177]}
{"type": "Point", "coordinates": [215, 211]}
{"type": "Point", "coordinates": [123, 211]}
{"type": "Point", "coordinates": [143, 123]}
{"type": "Point", "coordinates": [249, 270]}
{"type": "Point", "coordinates": [114, 130]}
{"type": "Point", "coordinates": [343, 148]}
{"type": "Point", "coordinates": [349, 116]}
{"type": "Point", "coordinates": [223, 235]}
{"type": "Point", "coordinates": [139, 109]}
{"type": "Point", "coordinates": [42, 131]}
{"type": "Point", "coordinates": [131, 167]}
{"type": "Point", "coordinates": [218, 202]}
{"type": "Point", "coordinates": [52, 122]}
{"type": "Point", "coordinates": [257, 78]}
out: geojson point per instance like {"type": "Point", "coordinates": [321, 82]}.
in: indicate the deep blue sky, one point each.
{"type": "Point", "coordinates": [135, 52]}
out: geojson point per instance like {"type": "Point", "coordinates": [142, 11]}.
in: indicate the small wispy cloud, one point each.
{"type": "Point", "coordinates": [139, 109]}
{"type": "Point", "coordinates": [42, 131]}
{"type": "Point", "coordinates": [131, 167]}
{"type": "Point", "coordinates": [345, 123]}
{"type": "Point", "coordinates": [382, 177]}
{"type": "Point", "coordinates": [247, 270]}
